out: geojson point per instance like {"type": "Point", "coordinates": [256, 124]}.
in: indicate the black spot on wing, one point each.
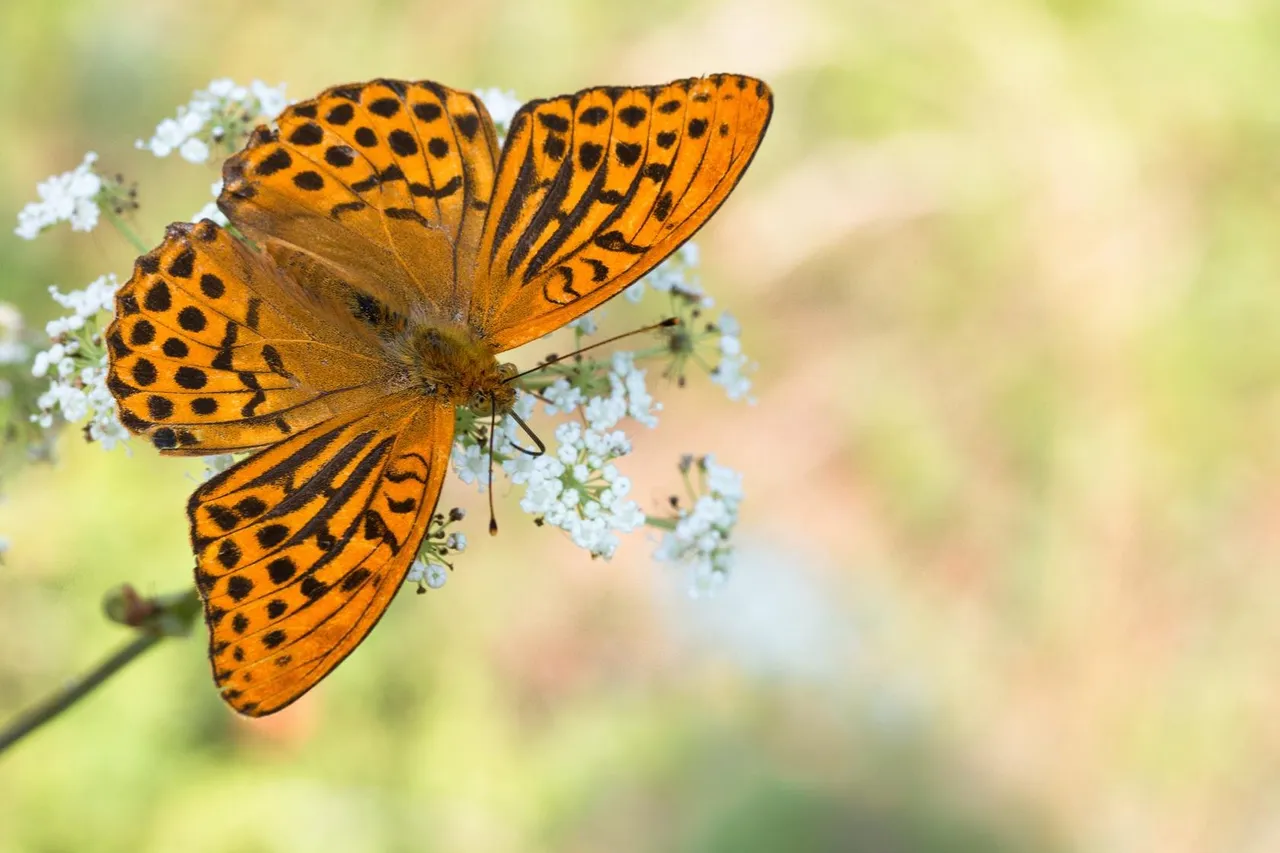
{"type": "Point", "coordinates": [553, 122]}
{"type": "Point", "coordinates": [307, 134]}
{"type": "Point", "coordinates": [628, 152]}
{"type": "Point", "coordinates": [183, 265]}
{"type": "Point", "coordinates": [428, 112]}
{"type": "Point", "coordinates": [632, 116]}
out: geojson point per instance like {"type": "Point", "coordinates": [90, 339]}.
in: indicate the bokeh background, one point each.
{"type": "Point", "coordinates": [1009, 571]}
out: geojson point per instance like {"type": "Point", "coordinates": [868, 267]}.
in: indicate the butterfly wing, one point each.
{"type": "Point", "coordinates": [300, 548]}
{"type": "Point", "coordinates": [596, 189]}
{"type": "Point", "coordinates": [385, 182]}
{"type": "Point", "coordinates": [213, 350]}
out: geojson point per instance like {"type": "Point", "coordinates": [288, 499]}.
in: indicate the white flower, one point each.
{"type": "Point", "coordinates": [628, 397]}
{"type": "Point", "coordinates": [502, 106]}
{"type": "Point", "coordinates": [271, 99]}
{"type": "Point", "coordinates": [222, 87]}
{"type": "Point", "coordinates": [210, 210]}
{"type": "Point", "coordinates": [433, 575]}
{"type": "Point", "coordinates": [214, 465]}
{"type": "Point", "coordinates": [729, 325]}
{"type": "Point", "coordinates": [543, 485]}
{"type": "Point", "coordinates": [700, 540]}
{"type": "Point", "coordinates": [675, 273]}
{"type": "Point", "coordinates": [628, 383]}
{"type": "Point", "coordinates": [519, 467]}
{"type": "Point", "coordinates": [586, 324]}
{"type": "Point", "coordinates": [579, 490]}
{"type": "Point", "coordinates": [98, 295]}
{"type": "Point", "coordinates": [471, 457]}
{"type": "Point", "coordinates": [194, 150]}
{"type": "Point", "coordinates": [12, 350]}
{"type": "Point", "coordinates": [436, 575]}
{"type": "Point", "coordinates": [68, 197]}
{"type": "Point", "coordinates": [471, 464]}
{"type": "Point", "coordinates": [168, 136]}
{"type": "Point", "coordinates": [203, 120]}
{"type": "Point", "coordinates": [562, 398]}
{"type": "Point", "coordinates": [730, 371]}
{"type": "Point", "coordinates": [79, 387]}
{"type": "Point", "coordinates": [723, 481]}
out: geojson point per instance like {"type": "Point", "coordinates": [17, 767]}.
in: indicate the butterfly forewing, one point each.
{"type": "Point", "coordinates": [210, 353]}
{"type": "Point", "coordinates": [300, 548]}
{"type": "Point", "coordinates": [595, 189]}
{"type": "Point", "coordinates": [388, 182]}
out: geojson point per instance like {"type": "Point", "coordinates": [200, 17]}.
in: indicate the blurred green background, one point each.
{"type": "Point", "coordinates": [1010, 560]}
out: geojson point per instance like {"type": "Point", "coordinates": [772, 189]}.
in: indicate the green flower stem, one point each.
{"type": "Point", "coordinates": [117, 221]}
{"type": "Point", "coordinates": [174, 616]}
{"type": "Point", "coordinates": [688, 484]}
{"type": "Point", "coordinates": [660, 523]}
{"type": "Point", "coordinates": [651, 352]}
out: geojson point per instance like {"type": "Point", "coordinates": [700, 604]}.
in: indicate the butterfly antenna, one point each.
{"type": "Point", "coordinates": [542, 448]}
{"type": "Point", "coordinates": [667, 323]}
{"type": "Point", "coordinates": [493, 428]}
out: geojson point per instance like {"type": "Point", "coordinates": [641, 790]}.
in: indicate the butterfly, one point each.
{"type": "Point", "coordinates": [384, 252]}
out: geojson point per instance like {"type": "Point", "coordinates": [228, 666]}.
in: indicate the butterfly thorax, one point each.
{"type": "Point", "coordinates": [451, 364]}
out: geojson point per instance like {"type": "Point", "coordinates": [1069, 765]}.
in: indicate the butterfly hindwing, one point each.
{"type": "Point", "coordinates": [595, 189]}
{"type": "Point", "coordinates": [210, 353]}
{"type": "Point", "coordinates": [300, 548]}
{"type": "Point", "coordinates": [388, 181]}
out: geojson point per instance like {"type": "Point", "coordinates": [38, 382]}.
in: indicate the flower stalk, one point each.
{"type": "Point", "coordinates": [165, 616]}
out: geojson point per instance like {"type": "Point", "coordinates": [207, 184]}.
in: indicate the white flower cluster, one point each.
{"type": "Point", "coordinates": [210, 210]}
{"type": "Point", "coordinates": [69, 197]}
{"type": "Point", "coordinates": [578, 488]}
{"type": "Point", "coordinates": [677, 274]}
{"type": "Point", "coordinates": [471, 458]}
{"type": "Point", "coordinates": [628, 397]}
{"type": "Point", "coordinates": [502, 106]}
{"type": "Point", "coordinates": [699, 540]}
{"type": "Point", "coordinates": [574, 485]}
{"type": "Point", "coordinates": [730, 372]}
{"type": "Point", "coordinates": [220, 111]}
{"type": "Point", "coordinates": [433, 575]}
{"type": "Point", "coordinates": [216, 464]}
{"type": "Point", "coordinates": [76, 364]}
{"type": "Point", "coordinates": [430, 567]}
{"type": "Point", "coordinates": [12, 349]}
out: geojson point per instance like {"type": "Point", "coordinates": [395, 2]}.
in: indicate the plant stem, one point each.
{"type": "Point", "coordinates": [117, 221]}
{"type": "Point", "coordinates": [46, 711]}
{"type": "Point", "coordinates": [173, 617]}
{"type": "Point", "coordinates": [660, 523]}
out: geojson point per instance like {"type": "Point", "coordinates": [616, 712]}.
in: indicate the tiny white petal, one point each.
{"type": "Point", "coordinates": [194, 150]}
{"type": "Point", "coordinates": [436, 576]}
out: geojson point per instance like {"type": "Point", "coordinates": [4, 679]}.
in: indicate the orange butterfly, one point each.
{"type": "Point", "coordinates": [390, 255]}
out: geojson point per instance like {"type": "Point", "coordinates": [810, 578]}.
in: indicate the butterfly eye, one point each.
{"type": "Point", "coordinates": [507, 371]}
{"type": "Point", "coordinates": [479, 400]}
